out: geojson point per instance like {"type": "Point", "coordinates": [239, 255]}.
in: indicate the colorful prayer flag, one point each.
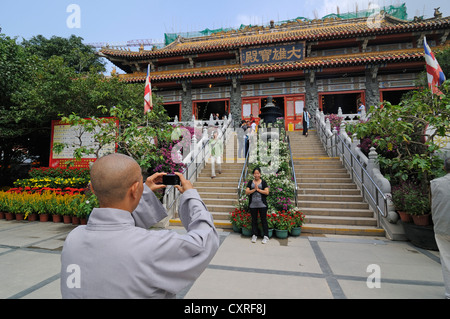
{"type": "Point", "coordinates": [434, 72]}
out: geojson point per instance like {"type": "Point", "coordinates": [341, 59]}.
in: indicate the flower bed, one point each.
{"type": "Point", "coordinates": [50, 191]}
{"type": "Point", "coordinates": [47, 202]}
{"type": "Point", "coordinates": [52, 182]}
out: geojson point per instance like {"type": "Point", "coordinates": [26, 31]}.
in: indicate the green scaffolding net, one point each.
{"type": "Point", "coordinates": [395, 11]}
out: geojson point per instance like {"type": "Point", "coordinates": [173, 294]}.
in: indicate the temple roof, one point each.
{"type": "Point", "coordinates": [328, 29]}
{"type": "Point", "coordinates": [375, 58]}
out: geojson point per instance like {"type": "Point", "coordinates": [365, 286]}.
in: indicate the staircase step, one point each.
{"type": "Point", "coordinates": [331, 191]}
{"type": "Point", "coordinates": [321, 174]}
{"type": "Point", "coordinates": [219, 178]}
{"type": "Point", "coordinates": [337, 212]}
{"type": "Point", "coordinates": [325, 180]}
{"type": "Point", "coordinates": [348, 221]}
{"type": "Point", "coordinates": [329, 197]}
{"type": "Point", "coordinates": [318, 229]}
{"type": "Point", "coordinates": [225, 195]}
{"type": "Point", "coordinates": [219, 201]}
{"type": "Point", "coordinates": [327, 185]}
{"type": "Point", "coordinates": [216, 183]}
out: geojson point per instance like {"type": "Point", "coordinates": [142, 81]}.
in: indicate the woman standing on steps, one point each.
{"type": "Point", "coordinates": [306, 117]}
{"type": "Point", "coordinates": [258, 190]}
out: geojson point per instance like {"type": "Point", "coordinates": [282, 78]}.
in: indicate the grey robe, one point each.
{"type": "Point", "coordinates": [116, 256]}
{"type": "Point", "coordinates": [440, 204]}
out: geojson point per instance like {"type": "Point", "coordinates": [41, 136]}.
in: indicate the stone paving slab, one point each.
{"type": "Point", "coordinates": [327, 267]}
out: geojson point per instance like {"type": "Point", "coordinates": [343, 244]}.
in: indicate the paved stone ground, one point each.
{"type": "Point", "coordinates": [331, 267]}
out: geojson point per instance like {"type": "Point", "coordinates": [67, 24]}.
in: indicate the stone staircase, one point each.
{"type": "Point", "coordinates": [220, 193]}
{"type": "Point", "coordinates": [330, 200]}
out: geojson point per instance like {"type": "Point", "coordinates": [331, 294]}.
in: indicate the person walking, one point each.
{"type": "Point", "coordinates": [306, 118]}
{"type": "Point", "coordinates": [216, 146]}
{"type": "Point", "coordinates": [241, 136]}
{"type": "Point", "coordinates": [116, 256]}
{"type": "Point", "coordinates": [361, 107]}
{"type": "Point", "coordinates": [440, 212]}
{"type": "Point", "coordinates": [258, 190]}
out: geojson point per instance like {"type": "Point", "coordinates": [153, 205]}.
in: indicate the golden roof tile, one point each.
{"type": "Point", "coordinates": [307, 63]}
{"type": "Point", "coordinates": [300, 31]}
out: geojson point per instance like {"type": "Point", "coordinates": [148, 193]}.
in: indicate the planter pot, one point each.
{"type": "Point", "coordinates": [236, 229]}
{"type": "Point", "coordinates": [56, 218]}
{"type": "Point", "coordinates": [32, 217]}
{"type": "Point", "coordinates": [75, 220]}
{"type": "Point", "coordinates": [270, 232]}
{"type": "Point", "coordinates": [296, 231]}
{"type": "Point", "coordinates": [246, 232]}
{"type": "Point", "coordinates": [43, 217]}
{"type": "Point", "coordinates": [67, 219]}
{"type": "Point", "coordinates": [281, 233]}
{"type": "Point", "coordinates": [20, 216]}
{"type": "Point", "coordinates": [2, 215]}
{"type": "Point", "coordinates": [404, 216]}
{"type": "Point", "coordinates": [83, 221]}
{"type": "Point", "coordinates": [421, 220]}
{"type": "Point", "coordinates": [9, 216]}
{"type": "Point", "coordinates": [420, 236]}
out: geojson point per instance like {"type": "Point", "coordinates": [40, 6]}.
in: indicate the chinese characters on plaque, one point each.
{"type": "Point", "coordinates": [73, 137]}
{"type": "Point", "coordinates": [273, 54]}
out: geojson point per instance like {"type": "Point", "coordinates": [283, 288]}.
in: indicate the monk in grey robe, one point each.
{"type": "Point", "coordinates": [116, 255]}
{"type": "Point", "coordinates": [440, 212]}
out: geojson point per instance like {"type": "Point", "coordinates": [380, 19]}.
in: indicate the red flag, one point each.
{"type": "Point", "coordinates": [148, 105]}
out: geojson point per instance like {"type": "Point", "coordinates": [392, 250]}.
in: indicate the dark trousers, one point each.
{"type": "Point", "coordinates": [305, 128]}
{"type": "Point", "coordinates": [263, 215]}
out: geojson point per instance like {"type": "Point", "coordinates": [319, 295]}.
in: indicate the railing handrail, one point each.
{"type": "Point", "coordinates": [193, 156]}
{"type": "Point", "coordinates": [326, 135]}
{"type": "Point", "coordinates": [362, 181]}
{"type": "Point", "coordinates": [243, 172]}
{"type": "Point", "coordinates": [293, 171]}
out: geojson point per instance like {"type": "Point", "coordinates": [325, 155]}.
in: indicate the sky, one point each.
{"type": "Point", "coordinates": [116, 22]}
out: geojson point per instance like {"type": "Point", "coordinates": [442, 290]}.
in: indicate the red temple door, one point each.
{"type": "Point", "coordinates": [293, 113]}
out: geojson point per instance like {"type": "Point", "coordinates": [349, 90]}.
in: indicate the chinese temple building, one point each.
{"type": "Point", "coordinates": [322, 64]}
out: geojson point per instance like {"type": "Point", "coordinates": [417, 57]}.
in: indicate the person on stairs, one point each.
{"type": "Point", "coordinates": [306, 118]}
{"type": "Point", "coordinates": [216, 146]}
{"type": "Point", "coordinates": [258, 190]}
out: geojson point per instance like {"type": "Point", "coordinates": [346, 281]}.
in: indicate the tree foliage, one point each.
{"type": "Point", "coordinates": [42, 81]}
{"type": "Point", "coordinates": [75, 54]}
{"type": "Point", "coordinates": [406, 135]}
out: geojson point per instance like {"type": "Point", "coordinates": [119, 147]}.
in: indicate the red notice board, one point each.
{"type": "Point", "coordinates": [68, 134]}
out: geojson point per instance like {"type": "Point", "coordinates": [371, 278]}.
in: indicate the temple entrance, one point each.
{"type": "Point", "coordinates": [173, 110]}
{"type": "Point", "coordinates": [329, 103]}
{"type": "Point", "coordinates": [290, 107]}
{"type": "Point", "coordinates": [393, 96]}
{"type": "Point", "coordinates": [203, 109]}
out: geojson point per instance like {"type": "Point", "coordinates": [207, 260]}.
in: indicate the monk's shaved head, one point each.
{"type": "Point", "coordinates": [112, 176]}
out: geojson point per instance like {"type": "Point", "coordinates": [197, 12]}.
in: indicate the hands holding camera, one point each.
{"type": "Point", "coordinates": [157, 180]}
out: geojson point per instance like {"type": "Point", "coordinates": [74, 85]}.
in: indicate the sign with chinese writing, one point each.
{"type": "Point", "coordinates": [273, 54]}
{"type": "Point", "coordinates": [73, 137]}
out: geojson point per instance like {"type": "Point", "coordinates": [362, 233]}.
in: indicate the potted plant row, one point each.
{"type": "Point", "coordinates": [283, 223]}
{"type": "Point", "coordinates": [47, 206]}
{"type": "Point", "coordinates": [411, 203]}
